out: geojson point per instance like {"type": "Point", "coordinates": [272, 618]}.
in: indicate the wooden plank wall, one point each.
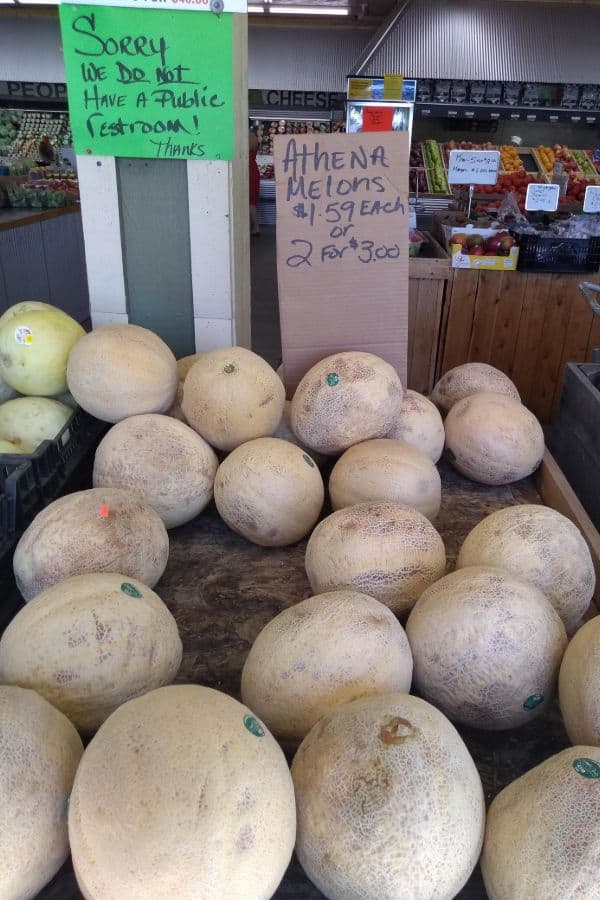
{"type": "Point", "coordinates": [527, 325]}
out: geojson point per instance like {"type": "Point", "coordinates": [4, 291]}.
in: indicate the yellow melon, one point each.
{"type": "Point", "coordinates": [122, 370]}
{"type": "Point", "coordinates": [185, 364]}
{"type": "Point", "coordinates": [487, 648]}
{"type": "Point", "coordinates": [100, 530]}
{"type": "Point", "coordinates": [231, 396]}
{"type": "Point", "coordinates": [166, 463]}
{"type": "Point", "coordinates": [493, 439]}
{"type": "Point", "coordinates": [39, 754]}
{"type": "Point", "coordinates": [9, 447]}
{"type": "Point", "coordinates": [269, 491]}
{"type": "Point", "coordinates": [27, 421]}
{"type": "Point", "coordinates": [386, 469]}
{"type": "Point", "coordinates": [320, 653]}
{"type": "Point", "coordinates": [542, 546]}
{"type": "Point", "coordinates": [390, 804]}
{"type": "Point", "coordinates": [90, 643]}
{"type": "Point", "coordinates": [182, 793]}
{"type": "Point", "coordinates": [344, 399]}
{"type": "Point", "coordinates": [6, 392]}
{"type": "Point", "coordinates": [420, 425]}
{"type": "Point", "coordinates": [384, 549]}
{"type": "Point", "coordinates": [578, 685]}
{"type": "Point", "coordinates": [471, 378]}
{"type": "Point", "coordinates": [542, 838]}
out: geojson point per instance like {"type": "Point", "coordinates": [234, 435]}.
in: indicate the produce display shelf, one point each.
{"type": "Point", "coordinates": [223, 590]}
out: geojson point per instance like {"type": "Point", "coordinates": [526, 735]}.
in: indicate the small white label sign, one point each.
{"type": "Point", "coordinates": [542, 197]}
{"type": "Point", "coordinates": [591, 201]}
{"type": "Point", "coordinates": [473, 166]}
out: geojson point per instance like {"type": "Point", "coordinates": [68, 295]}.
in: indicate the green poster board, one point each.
{"type": "Point", "coordinates": [149, 83]}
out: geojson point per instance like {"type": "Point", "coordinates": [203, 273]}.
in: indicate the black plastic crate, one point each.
{"type": "Point", "coordinates": [20, 500]}
{"type": "Point", "coordinates": [541, 253]}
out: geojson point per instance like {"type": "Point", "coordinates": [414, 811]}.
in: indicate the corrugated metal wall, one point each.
{"type": "Point", "coordinates": [494, 40]}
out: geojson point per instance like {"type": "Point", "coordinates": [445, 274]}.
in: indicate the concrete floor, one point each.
{"type": "Point", "coordinates": [266, 338]}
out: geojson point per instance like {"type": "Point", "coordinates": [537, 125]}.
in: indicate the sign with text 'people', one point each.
{"type": "Point", "coordinates": [148, 83]}
{"type": "Point", "coordinates": [342, 247]}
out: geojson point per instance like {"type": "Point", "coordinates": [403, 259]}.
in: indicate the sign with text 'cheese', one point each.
{"type": "Point", "coordinates": [342, 247]}
{"type": "Point", "coordinates": [149, 83]}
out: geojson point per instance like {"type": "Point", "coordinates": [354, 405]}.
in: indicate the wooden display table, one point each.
{"type": "Point", "coordinates": [427, 280]}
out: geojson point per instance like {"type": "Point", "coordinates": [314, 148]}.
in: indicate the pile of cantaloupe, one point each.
{"type": "Point", "coordinates": [184, 792]}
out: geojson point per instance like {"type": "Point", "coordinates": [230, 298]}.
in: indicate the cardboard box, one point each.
{"type": "Point", "coordinates": [443, 222]}
{"type": "Point", "coordinates": [489, 263]}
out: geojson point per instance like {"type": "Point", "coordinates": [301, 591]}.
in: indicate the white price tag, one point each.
{"type": "Point", "coordinates": [473, 166]}
{"type": "Point", "coordinates": [542, 197]}
{"type": "Point", "coordinates": [591, 201]}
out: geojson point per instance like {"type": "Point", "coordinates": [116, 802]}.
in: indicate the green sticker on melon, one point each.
{"type": "Point", "coordinates": [533, 701]}
{"type": "Point", "coordinates": [229, 369]}
{"type": "Point", "coordinates": [130, 589]}
{"type": "Point", "coordinates": [308, 460]}
{"type": "Point", "coordinates": [589, 768]}
{"type": "Point", "coordinates": [332, 379]}
{"type": "Point", "coordinates": [254, 726]}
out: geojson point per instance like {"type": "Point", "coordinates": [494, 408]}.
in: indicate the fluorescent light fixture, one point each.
{"type": "Point", "coordinates": [308, 11]}
{"type": "Point", "coordinates": [252, 8]}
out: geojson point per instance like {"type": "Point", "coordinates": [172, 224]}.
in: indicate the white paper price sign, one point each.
{"type": "Point", "coordinates": [473, 166]}
{"type": "Point", "coordinates": [542, 197]}
{"type": "Point", "coordinates": [591, 201]}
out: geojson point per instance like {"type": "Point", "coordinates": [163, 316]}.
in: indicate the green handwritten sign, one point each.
{"type": "Point", "coordinates": [149, 83]}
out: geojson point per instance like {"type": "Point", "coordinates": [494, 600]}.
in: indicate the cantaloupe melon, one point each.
{"type": "Point", "coordinates": [231, 396]}
{"type": "Point", "coordinates": [493, 439]}
{"type": "Point", "coordinates": [390, 804]}
{"type": "Point", "coordinates": [27, 421]}
{"type": "Point", "coordinates": [578, 685]}
{"type": "Point", "coordinates": [183, 367]}
{"type": "Point", "coordinates": [39, 754]}
{"type": "Point", "coordinates": [122, 370]}
{"type": "Point", "coordinates": [166, 463]}
{"type": "Point", "coordinates": [35, 342]}
{"type": "Point", "coordinates": [90, 643]}
{"type": "Point", "coordinates": [269, 491]}
{"type": "Point", "coordinates": [285, 432]}
{"type": "Point", "coordinates": [185, 364]}
{"type": "Point", "coordinates": [100, 530]}
{"type": "Point", "coordinates": [471, 378]}
{"type": "Point", "coordinates": [386, 469]}
{"type": "Point", "coordinates": [344, 399]}
{"type": "Point", "coordinates": [384, 549]}
{"type": "Point", "coordinates": [542, 838]}
{"type": "Point", "coordinates": [487, 648]}
{"type": "Point", "coordinates": [182, 793]}
{"type": "Point", "coordinates": [420, 424]}
{"type": "Point", "coordinates": [542, 546]}
{"type": "Point", "coordinates": [320, 653]}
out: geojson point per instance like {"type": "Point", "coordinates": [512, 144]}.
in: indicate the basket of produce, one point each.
{"type": "Point", "coordinates": [434, 164]}
{"type": "Point", "coordinates": [569, 246]}
{"type": "Point", "coordinates": [415, 243]}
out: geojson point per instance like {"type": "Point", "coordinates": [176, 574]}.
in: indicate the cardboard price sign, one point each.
{"type": "Point", "coordinates": [342, 247]}
{"type": "Point", "coordinates": [473, 166]}
{"type": "Point", "coordinates": [542, 197]}
{"type": "Point", "coordinates": [591, 201]}
{"type": "Point", "coordinates": [148, 83]}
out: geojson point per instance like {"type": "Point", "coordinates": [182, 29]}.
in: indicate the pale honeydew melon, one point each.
{"type": "Point", "coordinates": [269, 491]}
{"type": "Point", "coordinates": [285, 432]}
{"type": "Point", "coordinates": [35, 342]}
{"type": "Point", "coordinates": [8, 447]}
{"type": "Point", "coordinates": [27, 421]}
{"type": "Point", "coordinates": [386, 469]}
{"type": "Point", "coordinates": [122, 370]}
{"type": "Point", "coordinates": [39, 754]}
{"type": "Point", "coordinates": [320, 653]}
{"type": "Point", "coordinates": [182, 794]}
{"type": "Point", "coordinates": [542, 546]}
{"type": "Point", "coordinates": [100, 530]}
{"type": "Point", "coordinates": [390, 804]}
{"type": "Point", "coordinates": [542, 838]}
{"type": "Point", "coordinates": [471, 378]}
{"type": "Point", "coordinates": [231, 396]}
{"type": "Point", "coordinates": [487, 648]}
{"type": "Point", "coordinates": [90, 643]}
{"type": "Point", "coordinates": [420, 424]}
{"type": "Point", "coordinates": [384, 549]}
{"type": "Point", "coordinates": [163, 461]}
{"type": "Point", "coordinates": [578, 685]}
{"type": "Point", "coordinates": [6, 392]}
{"type": "Point", "coordinates": [344, 399]}
{"type": "Point", "coordinates": [493, 439]}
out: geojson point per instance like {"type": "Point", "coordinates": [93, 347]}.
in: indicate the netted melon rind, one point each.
{"type": "Point", "coordinates": [471, 378]}
{"type": "Point", "coordinates": [420, 424]}
{"type": "Point", "coordinates": [578, 685]}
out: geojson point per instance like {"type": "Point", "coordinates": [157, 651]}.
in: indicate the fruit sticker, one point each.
{"type": "Point", "coordinates": [229, 369]}
{"type": "Point", "coordinates": [308, 460]}
{"type": "Point", "coordinates": [23, 335]}
{"type": "Point", "coordinates": [253, 726]}
{"type": "Point", "coordinates": [589, 768]}
{"type": "Point", "coordinates": [332, 379]}
{"type": "Point", "coordinates": [130, 589]}
{"type": "Point", "coordinates": [533, 701]}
